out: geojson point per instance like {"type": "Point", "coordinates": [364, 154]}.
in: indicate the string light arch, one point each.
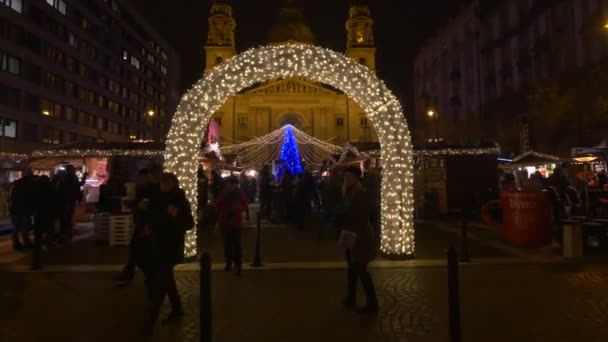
{"type": "Point", "coordinates": [319, 65]}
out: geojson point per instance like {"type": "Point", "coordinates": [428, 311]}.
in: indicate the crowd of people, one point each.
{"type": "Point", "coordinates": [39, 204]}
{"type": "Point", "coordinates": [162, 216]}
{"type": "Point", "coordinates": [345, 197]}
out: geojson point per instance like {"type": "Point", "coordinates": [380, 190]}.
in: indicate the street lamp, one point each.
{"type": "Point", "coordinates": [432, 114]}
{"type": "Point", "coordinates": [151, 113]}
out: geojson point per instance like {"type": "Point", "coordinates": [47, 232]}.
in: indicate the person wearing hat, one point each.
{"type": "Point", "coordinates": [231, 204]}
{"type": "Point", "coordinates": [359, 240]}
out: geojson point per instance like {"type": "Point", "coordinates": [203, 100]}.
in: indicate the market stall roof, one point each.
{"type": "Point", "coordinates": [13, 157]}
{"type": "Point", "coordinates": [438, 151]}
{"type": "Point", "coordinates": [532, 158]}
{"type": "Point", "coordinates": [103, 150]}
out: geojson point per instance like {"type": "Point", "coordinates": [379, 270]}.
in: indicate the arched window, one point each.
{"type": "Point", "coordinates": [219, 61]}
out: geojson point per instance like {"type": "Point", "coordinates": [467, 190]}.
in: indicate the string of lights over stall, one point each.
{"type": "Point", "coordinates": [319, 65]}
{"type": "Point", "coordinates": [267, 148]}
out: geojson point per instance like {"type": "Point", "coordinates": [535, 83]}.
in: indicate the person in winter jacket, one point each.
{"type": "Point", "coordinates": [355, 221]}
{"type": "Point", "coordinates": [231, 205]}
{"type": "Point", "coordinates": [165, 249]}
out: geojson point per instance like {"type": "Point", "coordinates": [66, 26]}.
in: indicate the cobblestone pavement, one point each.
{"type": "Point", "coordinates": [549, 302]}
{"type": "Point", "coordinates": [313, 243]}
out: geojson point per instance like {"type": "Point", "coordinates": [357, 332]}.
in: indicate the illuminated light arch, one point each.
{"type": "Point", "coordinates": [320, 65]}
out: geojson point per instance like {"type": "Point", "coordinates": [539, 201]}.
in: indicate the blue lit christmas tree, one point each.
{"type": "Point", "coordinates": [290, 156]}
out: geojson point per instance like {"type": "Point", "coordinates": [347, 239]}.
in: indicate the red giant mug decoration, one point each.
{"type": "Point", "coordinates": [526, 217]}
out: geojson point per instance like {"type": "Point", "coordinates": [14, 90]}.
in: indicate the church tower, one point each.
{"type": "Point", "coordinates": [360, 44]}
{"type": "Point", "coordinates": [220, 40]}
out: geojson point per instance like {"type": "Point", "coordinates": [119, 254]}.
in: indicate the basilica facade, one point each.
{"type": "Point", "coordinates": [319, 110]}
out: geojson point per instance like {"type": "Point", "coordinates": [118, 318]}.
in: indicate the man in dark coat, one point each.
{"type": "Point", "coordinates": [166, 237]}
{"type": "Point", "coordinates": [265, 192]}
{"type": "Point", "coordinates": [147, 200]}
{"type": "Point", "coordinates": [21, 209]}
{"type": "Point", "coordinates": [45, 200]}
{"type": "Point", "coordinates": [69, 194]}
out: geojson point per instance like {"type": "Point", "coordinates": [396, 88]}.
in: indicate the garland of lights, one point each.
{"type": "Point", "coordinates": [97, 153]}
{"type": "Point", "coordinates": [318, 65]}
{"type": "Point", "coordinates": [16, 157]}
{"type": "Point", "coordinates": [437, 153]}
{"type": "Point", "coordinates": [535, 154]}
{"type": "Point", "coordinates": [266, 149]}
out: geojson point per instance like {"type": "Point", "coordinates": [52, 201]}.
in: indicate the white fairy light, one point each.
{"type": "Point", "coordinates": [319, 65]}
{"type": "Point", "coordinates": [265, 149]}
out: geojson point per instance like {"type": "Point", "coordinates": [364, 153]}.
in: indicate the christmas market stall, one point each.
{"type": "Point", "coordinates": [97, 162]}
{"type": "Point", "coordinates": [447, 178]}
{"type": "Point", "coordinates": [528, 163]}
{"type": "Point", "coordinates": [107, 172]}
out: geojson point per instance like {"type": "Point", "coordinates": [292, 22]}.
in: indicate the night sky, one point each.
{"type": "Point", "coordinates": [401, 28]}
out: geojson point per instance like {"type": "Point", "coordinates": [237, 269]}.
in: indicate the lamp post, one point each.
{"type": "Point", "coordinates": [432, 114]}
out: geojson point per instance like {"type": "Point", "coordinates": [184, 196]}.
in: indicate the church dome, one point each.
{"type": "Point", "coordinates": [291, 26]}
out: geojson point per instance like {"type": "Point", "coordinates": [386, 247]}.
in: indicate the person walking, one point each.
{"type": "Point", "coordinates": [146, 201]}
{"type": "Point", "coordinates": [44, 216]}
{"type": "Point", "coordinates": [358, 238]}
{"type": "Point", "coordinates": [69, 194]}
{"type": "Point", "coordinates": [265, 192]}
{"type": "Point", "coordinates": [230, 205]}
{"type": "Point", "coordinates": [166, 236]}
{"type": "Point", "coordinates": [21, 210]}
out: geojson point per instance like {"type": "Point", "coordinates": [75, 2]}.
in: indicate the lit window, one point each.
{"type": "Point", "coordinates": [364, 122]}
{"type": "Point", "coordinates": [163, 54]}
{"type": "Point", "coordinates": [340, 122]}
{"type": "Point", "coordinates": [125, 55]}
{"type": "Point", "coordinates": [10, 63]}
{"type": "Point", "coordinates": [50, 109]}
{"type": "Point", "coordinates": [163, 69]}
{"type": "Point", "coordinates": [135, 62]}
{"type": "Point", "coordinates": [59, 5]}
{"type": "Point", "coordinates": [242, 121]}
{"type": "Point", "coordinates": [69, 114]}
{"type": "Point", "coordinates": [16, 5]}
{"type": "Point", "coordinates": [151, 59]}
{"type": "Point", "coordinates": [8, 128]}
{"type": "Point", "coordinates": [72, 40]}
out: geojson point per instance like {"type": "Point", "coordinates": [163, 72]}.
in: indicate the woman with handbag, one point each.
{"type": "Point", "coordinates": [358, 238]}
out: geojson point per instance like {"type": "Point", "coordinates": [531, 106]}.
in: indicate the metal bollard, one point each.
{"type": "Point", "coordinates": [206, 332]}
{"type": "Point", "coordinates": [454, 295]}
{"type": "Point", "coordinates": [257, 260]}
